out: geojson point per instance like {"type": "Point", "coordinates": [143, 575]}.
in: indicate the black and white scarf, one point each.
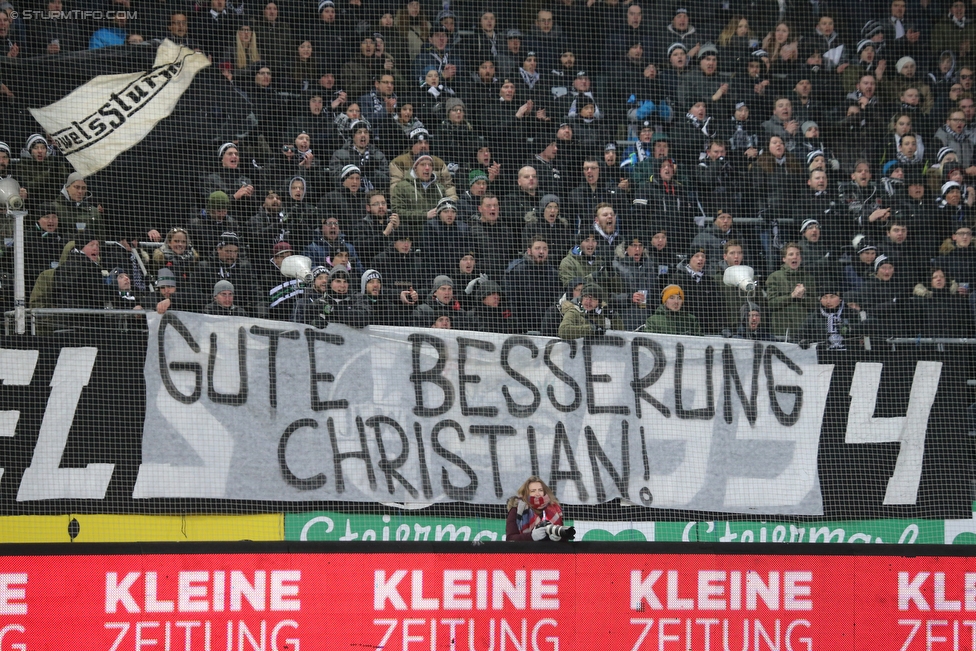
{"type": "Point", "coordinates": [835, 339]}
{"type": "Point", "coordinates": [530, 78]}
{"type": "Point", "coordinates": [958, 137]}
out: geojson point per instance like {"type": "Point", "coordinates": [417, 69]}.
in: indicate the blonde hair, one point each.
{"type": "Point", "coordinates": [730, 30]}
{"type": "Point", "coordinates": [523, 491]}
{"type": "Point", "coordinates": [246, 55]}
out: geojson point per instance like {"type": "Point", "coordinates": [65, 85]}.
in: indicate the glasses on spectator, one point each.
{"type": "Point", "coordinates": [331, 222]}
{"type": "Point", "coordinates": [288, 149]}
{"type": "Point", "coordinates": [966, 76]}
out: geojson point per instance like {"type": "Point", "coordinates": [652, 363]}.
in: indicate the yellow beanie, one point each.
{"type": "Point", "coordinates": [670, 291]}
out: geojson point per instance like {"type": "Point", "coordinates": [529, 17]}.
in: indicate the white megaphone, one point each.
{"type": "Point", "coordinates": [298, 267]}
{"type": "Point", "coordinates": [742, 277]}
{"type": "Point", "coordinates": [10, 194]}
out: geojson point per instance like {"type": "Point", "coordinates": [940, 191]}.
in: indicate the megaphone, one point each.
{"type": "Point", "coordinates": [10, 194]}
{"type": "Point", "coordinates": [298, 267]}
{"type": "Point", "coordinates": [742, 277]}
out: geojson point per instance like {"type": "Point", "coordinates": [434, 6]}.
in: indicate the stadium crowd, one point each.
{"type": "Point", "coordinates": [564, 167]}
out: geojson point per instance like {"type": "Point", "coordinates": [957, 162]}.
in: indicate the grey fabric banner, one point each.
{"type": "Point", "coordinates": [266, 410]}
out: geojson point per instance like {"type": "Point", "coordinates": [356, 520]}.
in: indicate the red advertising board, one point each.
{"type": "Point", "coordinates": [486, 601]}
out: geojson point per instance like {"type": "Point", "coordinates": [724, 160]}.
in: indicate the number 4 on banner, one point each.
{"type": "Point", "coordinates": [909, 430]}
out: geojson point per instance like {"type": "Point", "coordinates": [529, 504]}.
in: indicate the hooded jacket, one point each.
{"type": "Point", "coordinates": [78, 216]}
{"type": "Point", "coordinates": [578, 322]}
{"type": "Point", "coordinates": [412, 199]}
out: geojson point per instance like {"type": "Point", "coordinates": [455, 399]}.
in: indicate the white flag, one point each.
{"type": "Point", "coordinates": [112, 113]}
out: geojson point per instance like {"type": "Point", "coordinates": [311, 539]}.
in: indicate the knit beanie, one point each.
{"type": "Point", "coordinates": [476, 175]}
{"type": "Point", "coordinates": [902, 62]}
{"type": "Point", "coordinates": [223, 149]}
{"type": "Point", "coordinates": [218, 201]}
{"type": "Point", "coordinates": [440, 281]}
{"type": "Point", "coordinates": [545, 201]}
{"type": "Point", "coordinates": [670, 291]}
{"type": "Point", "coordinates": [371, 274]}
{"type": "Point", "coordinates": [222, 286]}
{"type": "Point", "coordinates": [166, 278]}
{"type": "Point", "coordinates": [594, 290]}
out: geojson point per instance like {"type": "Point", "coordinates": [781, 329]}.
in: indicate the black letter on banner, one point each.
{"type": "Point", "coordinates": [638, 384]}
{"type": "Point", "coordinates": [562, 375]}
{"type": "Point", "coordinates": [591, 406]}
{"type": "Point", "coordinates": [574, 475]}
{"type": "Point", "coordinates": [462, 493]}
{"type": "Point", "coordinates": [432, 375]}
{"type": "Point", "coordinates": [240, 397]}
{"type": "Point", "coordinates": [463, 379]}
{"type": "Point", "coordinates": [647, 465]}
{"type": "Point", "coordinates": [533, 452]}
{"type": "Point", "coordinates": [339, 457]}
{"type": "Point", "coordinates": [171, 320]}
{"type": "Point", "coordinates": [418, 433]}
{"type": "Point", "coordinates": [514, 408]}
{"type": "Point", "coordinates": [311, 336]}
{"type": "Point", "coordinates": [273, 336]}
{"type": "Point", "coordinates": [731, 376]}
{"type": "Point", "coordinates": [784, 419]}
{"type": "Point", "coordinates": [310, 483]}
{"type": "Point", "coordinates": [493, 432]}
{"type": "Point", "coordinates": [702, 413]}
{"type": "Point", "coordinates": [389, 466]}
{"type": "Point", "coordinates": [598, 456]}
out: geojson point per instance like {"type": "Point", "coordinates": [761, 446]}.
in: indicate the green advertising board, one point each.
{"type": "Point", "coordinates": [405, 526]}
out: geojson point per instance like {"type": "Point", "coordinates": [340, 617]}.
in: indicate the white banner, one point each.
{"type": "Point", "coordinates": [112, 113]}
{"type": "Point", "coordinates": [267, 410]}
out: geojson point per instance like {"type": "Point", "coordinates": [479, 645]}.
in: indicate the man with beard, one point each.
{"type": "Point", "coordinates": [532, 285]}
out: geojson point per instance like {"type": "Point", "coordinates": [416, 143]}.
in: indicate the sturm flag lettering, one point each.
{"type": "Point", "coordinates": [112, 113]}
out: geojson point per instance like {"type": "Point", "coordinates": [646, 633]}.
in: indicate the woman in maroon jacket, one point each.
{"type": "Point", "coordinates": [534, 514]}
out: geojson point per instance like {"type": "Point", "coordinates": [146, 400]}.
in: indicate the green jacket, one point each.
{"type": "Point", "coordinates": [411, 200]}
{"type": "Point", "coordinates": [575, 265]}
{"type": "Point", "coordinates": [79, 219]}
{"type": "Point", "coordinates": [667, 322]}
{"type": "Point", "coordinates": [788, 313]}
{"type": "Point", "coordinates": [576, 323]}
